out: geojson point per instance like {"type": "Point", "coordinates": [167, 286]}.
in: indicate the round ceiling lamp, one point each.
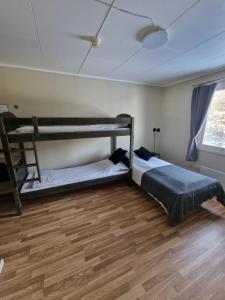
{"type": "Point", "coordinates": [155, 39]}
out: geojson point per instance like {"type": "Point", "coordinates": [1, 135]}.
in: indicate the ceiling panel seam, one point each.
{"type": "Point", "coordinates": [126, 60]}
{"type": "Point", "coordinates": [36, 28]}
{"type": "Point", "coordinates": [182, 14]}
{"type": "Point", "coordinates": [147, 17]}
{"type": "Point", "coordinates": [99, 30]}
{"type": "Point", "coordinates": [173, 22]}
{"type": "Point", "coordinates": [180, 54]}
{"type": "Point", "coordinates": [127, 11]}
{"type": "Point", "coordinates": [196, 46]}
{"type": "Point", "coordinates": [141, 16]}
{"type": "Point", "coordinates": [136, 52]}
{"type": "Point", "coordinates": [195, 49]}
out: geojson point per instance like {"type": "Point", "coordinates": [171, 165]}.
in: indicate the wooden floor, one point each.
{"type": "Point", "coordinates": [112, 242]}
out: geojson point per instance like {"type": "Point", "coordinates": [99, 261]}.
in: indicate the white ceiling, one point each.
{"type": "Point", "coordinates": [51, 35]}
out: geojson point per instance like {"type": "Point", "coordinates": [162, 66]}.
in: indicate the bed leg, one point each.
{"type": "Point", "coordinates": [17, 202]}
{"type": "Point", "coordinates": [130, 182]}
{"type": "Point", "coordinates": [113, 144]}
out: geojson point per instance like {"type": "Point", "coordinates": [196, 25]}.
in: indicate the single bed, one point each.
{"type": "Point", "coordinates": [177, 189]}
{"type": "Point", "coordinates": [56, 178]}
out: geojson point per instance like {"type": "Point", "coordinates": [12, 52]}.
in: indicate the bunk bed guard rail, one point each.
{"type": "Point", "coordinates": [10, 123]}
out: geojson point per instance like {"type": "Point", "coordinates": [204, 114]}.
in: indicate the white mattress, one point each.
{"type": "Point", "coordinates": [141, 166]}
{"type": "Point", "coordinates": [53, 178]}
{"type": "Point", "coordinates": [75, 128]}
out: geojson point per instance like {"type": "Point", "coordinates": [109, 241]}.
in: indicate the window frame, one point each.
{"type": "Point", "coordinates": [205, 147]}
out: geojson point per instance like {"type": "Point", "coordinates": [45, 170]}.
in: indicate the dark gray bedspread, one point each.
{"type": "Point", "coordinates": [180, 190]}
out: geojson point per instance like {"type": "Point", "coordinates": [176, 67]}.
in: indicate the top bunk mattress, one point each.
{"type": "Point", "coordinates": [74, 128]}
{"type": "Point", "coordinates": [54, 178]}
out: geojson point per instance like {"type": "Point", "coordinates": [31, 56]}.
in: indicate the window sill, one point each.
{"type": "Point", "coordinates": [214, 150]}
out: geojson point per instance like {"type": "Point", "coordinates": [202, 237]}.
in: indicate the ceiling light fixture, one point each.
{"type": "Point", "coordinates": [155, 39]}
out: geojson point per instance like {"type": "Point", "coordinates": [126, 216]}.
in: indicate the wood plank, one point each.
{"type": "Point", "coordinates": [21, 165]}
{"type": "Point", "coordinates": [59, 121]}
{"type": "Point", "coordinates": [28, 137]}
{"type": "Point", "coordinates": [21, 150]}
{"type": "Point", "coordinates": [110, 243]}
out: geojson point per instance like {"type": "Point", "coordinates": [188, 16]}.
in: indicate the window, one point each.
{"type": "Point", "coordinates": [213, 136]}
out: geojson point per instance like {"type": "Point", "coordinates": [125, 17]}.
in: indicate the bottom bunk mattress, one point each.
{"type": "Point", "coordinates": [60, 177]}
{"type": "Point", "coordinates": [177, 189]}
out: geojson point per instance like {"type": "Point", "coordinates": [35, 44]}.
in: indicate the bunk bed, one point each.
{"type": "Point", "coordinates": [17, 132]}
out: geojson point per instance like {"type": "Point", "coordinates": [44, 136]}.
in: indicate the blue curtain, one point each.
{"type": "Point", "coordinates": [201, 98]}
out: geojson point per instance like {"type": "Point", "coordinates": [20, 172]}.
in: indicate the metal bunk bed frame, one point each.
{"type": "Point", "coordinates": [18, 172]}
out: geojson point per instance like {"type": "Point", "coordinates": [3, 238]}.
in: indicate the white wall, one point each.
{"type": "Point", "coordinates": [175, 125]}
{"type": "Point", "coordinates": [46, 94]}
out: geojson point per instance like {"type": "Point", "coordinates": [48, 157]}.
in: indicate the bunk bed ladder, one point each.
{"type": "Point", "coordinates": [10, 186]}
{"type": "Point", "coordinates": [23, 162]}
{"type": "Point", "coordinates": [36, 160]}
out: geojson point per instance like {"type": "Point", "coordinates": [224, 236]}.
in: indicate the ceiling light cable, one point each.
{"type": "Point", "coordinates": [97, 35]}
{"type": "Point", "coordinates": [127, 12]}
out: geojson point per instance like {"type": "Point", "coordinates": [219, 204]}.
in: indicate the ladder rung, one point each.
{"type": "Point", "coordinates": [24, 165]}
{"type": "Point", "coordinates": [28, 180]}
{"type": "Point", "coordinates": [16, 160]}
{"type": "Point", "coordinates": [22, 150]}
